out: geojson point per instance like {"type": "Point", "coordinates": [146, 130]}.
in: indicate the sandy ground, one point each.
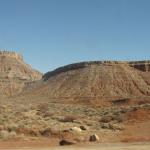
{"type": "Point", "coordinates": [120, 146]}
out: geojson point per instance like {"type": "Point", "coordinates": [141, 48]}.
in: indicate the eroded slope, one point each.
{"type": "Point", "coordinates": [15, 73]}
{"type": "Point", "coordinates": [89, 81]}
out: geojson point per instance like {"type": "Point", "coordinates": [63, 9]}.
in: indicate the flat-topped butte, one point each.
{"type": "Point", "coordinates": [140, 65]}
{"type": "Point", "coordinates": [11, 54]}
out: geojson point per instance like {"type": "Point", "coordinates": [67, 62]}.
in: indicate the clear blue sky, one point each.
{"type": "Point", "coordinates": [52, 33]}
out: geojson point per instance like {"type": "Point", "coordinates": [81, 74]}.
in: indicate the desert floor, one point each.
{"type": "Point", "coordinates": [120, 146]}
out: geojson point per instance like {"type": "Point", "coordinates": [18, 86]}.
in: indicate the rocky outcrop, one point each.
{"type": "Point", "coordinates": [94, 138]}
{"type": "Point", "coordinates": [15, 73]}
{"type": "Point", "coordinates": [4, 53]}
{"type": "Point", "coordinates": [140, 65]}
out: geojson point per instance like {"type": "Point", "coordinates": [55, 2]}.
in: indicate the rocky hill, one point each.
{"type": "Point", "coordinates": [97, 80]}
{"type": "Point", "coordinates": [108, 98]}
{"type": "Point", "coordinates": [15, 73]}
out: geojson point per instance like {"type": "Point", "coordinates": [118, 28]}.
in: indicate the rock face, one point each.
{"type": "Point", "coordinates": [14, 73]}
{"type": "Point", "coordinates": [141, 65]}
{"type": "Point", "coordinates": [94, 138]}
{"type": "Point", "coordinates": [98, 80]}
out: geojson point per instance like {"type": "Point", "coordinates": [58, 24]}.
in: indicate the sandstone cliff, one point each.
{"type": "Point", "coordinates": [14, 73]}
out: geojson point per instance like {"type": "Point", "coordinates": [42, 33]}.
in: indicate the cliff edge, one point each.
{"type": "Point", "coordinates": [15, 73]}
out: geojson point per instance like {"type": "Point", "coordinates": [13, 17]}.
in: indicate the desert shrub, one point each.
{"type": "Point", "coordinates": [4, 134]}
{"type": "Point", "coordinates": [44, 114]}
{"type": "Point", "coordinates": [106, 119]}
{"type": "Point", "coordinates": [12, 134]}
{"type": "Point", "coordinates": [1, 127]}
{"type": "Point", "coordinates": [123, 111]}
{"type": "Point", "coordinates": [118, 118]}
{"type": "Point", "coordinates": [43, 107]}
{"type": "Point", "coordinates": [27, 131]}
{"type": "Point", "coordinates": [106, 113]}
{"type": "Point", "coordinates": [69, 118]}
{"type": "Point", "coordinates": [134, 109]}
{"type": "Point", "coordinates": [12, 127]}
{"type": "Point", "coordinates": [48, 114]}
{"type": "Point", "coordinates": [43, 110]}
{"type": "Point", "coordinates": [46, 132]}
{"type": "Point", "coordinates": [115, 127]}
{"type": "Point", "coordinates": [34, 132]}
{"type": "Point", "coordinates": [111, 126]}
{"type": "Point", "coordinates": [105, 125]}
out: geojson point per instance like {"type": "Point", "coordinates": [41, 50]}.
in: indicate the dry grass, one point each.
{"type": "Point", "coordinates": [51, 120]}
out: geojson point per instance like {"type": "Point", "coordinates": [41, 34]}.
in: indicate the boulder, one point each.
{"type": "Point", "coordinates": [83, 128]}
{"type": "Point", "coordinates": [76, 129]}
{"type": "Point", "coordinates": [94, 138]}
{"type": "Point", "coordinates": [66, 142]}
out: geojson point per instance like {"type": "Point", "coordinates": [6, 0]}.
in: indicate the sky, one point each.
{"type": "Point", "coordinates": [53, 33]}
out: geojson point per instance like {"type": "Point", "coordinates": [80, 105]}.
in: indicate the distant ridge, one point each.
{"type": "Point", "coordinates": [93, 82]}
{"type": "Point", "coordinates": [141, 65]}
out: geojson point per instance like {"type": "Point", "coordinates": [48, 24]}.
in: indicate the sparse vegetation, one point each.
{"type": "Point", "coordinates": [46, 120]}
{"type": "Point", "coordinates": [69, 118]}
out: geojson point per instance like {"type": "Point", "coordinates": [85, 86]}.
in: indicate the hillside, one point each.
{"type": "Point", "coordinates": [88, 81]}
{"type": "Point", "coordinates": [15, 73]}
{"type": "Point", "coordinates": [110, 99]}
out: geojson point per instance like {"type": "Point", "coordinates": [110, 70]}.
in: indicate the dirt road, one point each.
{"type": "Point", "coordinates": [135, 146]}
